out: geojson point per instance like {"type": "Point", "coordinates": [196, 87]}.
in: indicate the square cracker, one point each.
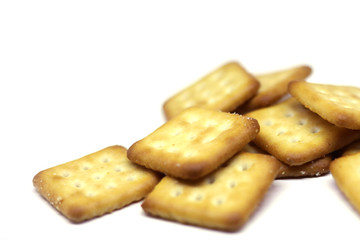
{"type": "Point", "coordinates": [223, 89]}
{"type": "Point", "coordinates": [194, 143]}
{"type": "Point", "coordinates": [346, 173]}
{"type": "Point", "coordinates": [315, 168]}
{"type": "Point", "coordinates": [223, 200]}
{"type": "Point", "coordinates": [339, 105]}
{"type": "Point", "coordinates": [95, 184]}
{"type": "Point", "coordinates": [273, 86]}
{"type": "Point", "coordinates": [295, 135]}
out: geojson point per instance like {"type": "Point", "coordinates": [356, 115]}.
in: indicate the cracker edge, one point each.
{"type": "Point", "coordinates": [263, 99]}
{"type": "Point", "coordinates": [340, 120]}
{"type": "Point", "coordinates": [341, 180]}
{"type": "Point", "coordinates": [301, 171]}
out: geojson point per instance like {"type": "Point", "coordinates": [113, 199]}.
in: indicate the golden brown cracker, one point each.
{"type": "Point", "coordinates": [315, 168]}
{"type": "Point", "coordinates": [295, 135]}
{"type": "Point", "coordinates": [223, 89]}
{"type": "Point", "coordinates": [95, 184]}
{"type": "Point", "coordinates": [223, 200]}
{"type": "Point", "coordinates": [273, 86]}
{"type": "Point", "coordinates": [339, 105]}
{"type": "Point", "coordinates": [194, 143]}
{"type": "Point", "coordinates": [346, 173]}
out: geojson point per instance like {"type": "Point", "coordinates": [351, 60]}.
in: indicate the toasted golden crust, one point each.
{"type": "Point", "coordinates": [95, 184]}
{"type": "Point", "coordinates": [315, 168]}
{"type": "Point", "coordinates": [223, 200]}
{"type": "Point", "coordinates": [339, 105]}
{"type": "Point", "coordinates": [223, 89]}
{"type": "Point", "coordinates": [345, 170]}
{"type": "Point", "coordinates": [194, 143]}
{"type": "Point", "coordinates": [273, 86]}
{"type": "Point", "coordinates": [295, 135]}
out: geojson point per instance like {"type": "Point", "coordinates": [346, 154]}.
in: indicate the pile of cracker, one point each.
{"type": "Point", "coordinates": [227, 137]}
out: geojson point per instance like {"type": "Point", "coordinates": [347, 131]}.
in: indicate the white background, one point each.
{"type": "Point", "coordinates": [78, 76]}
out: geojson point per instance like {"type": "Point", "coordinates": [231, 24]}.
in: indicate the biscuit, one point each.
{"type": "Point", "coordinates": [223, 200]}
{"type": "Point", "coordinates": [351, 148]}
{"type": "Point", "coordinates": [339, 105]}
{"type": "Point", "coordinates": [194, 143]}
{"type": "Point", "coordinates": [95, 184]}
{"type": "Point", "coordinates": [223, 89]}
{"type": "Point", "coordinates": [273, 86]}
{"type": "Point", "coordinates": [345, 171]}
{"type": "Point", "coordinates": [315, 168]}
{"type": "Point", "coordinates": [295, 135]}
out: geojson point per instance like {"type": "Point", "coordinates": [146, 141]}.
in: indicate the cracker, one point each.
{"type": "Point", "coordinates": [339, 105]}
{"type": "Point", "coordinates": [95, 184]}
{"type": "Point", "coordinates": [346, 173]}
{"type": "Point", "coordinates": [223, 200]}
{"type": "Point", "coordinates": [273, 86]}
{"type": "Point", "coordinates": [194, 143]}
{"type": "Point", "coordinates": [315, 168]}
{"type": "Point", "coordinates": [352, 148]}
{"type": "Point", "coordinates": [295, 135]}
{"type": "Point", "coordinates": [223, 89]}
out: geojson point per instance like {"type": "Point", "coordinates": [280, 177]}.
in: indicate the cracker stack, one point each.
{"type": "Point", "coordinates": [218, 165]}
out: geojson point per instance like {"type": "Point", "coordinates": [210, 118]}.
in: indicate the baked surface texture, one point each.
{"type": "Point", "coordinates": [273, 86]}
{"type": "Point", "coordinates": [314, 168]}
{"type": "Point", "coordinates": [223, 89]}
{"type": "Point", "coordinates": [339, 105]}
{"type": "Point", "coordinates": [95, 184]}
{"type": "Point", "coordinates": [194, 143]}
{"type": "Point", "coordinates": [346, 172]}
{"type": "Point", "coordinates": [295, 135]}
{"type": "Point", "coordinates": [222, 200]}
